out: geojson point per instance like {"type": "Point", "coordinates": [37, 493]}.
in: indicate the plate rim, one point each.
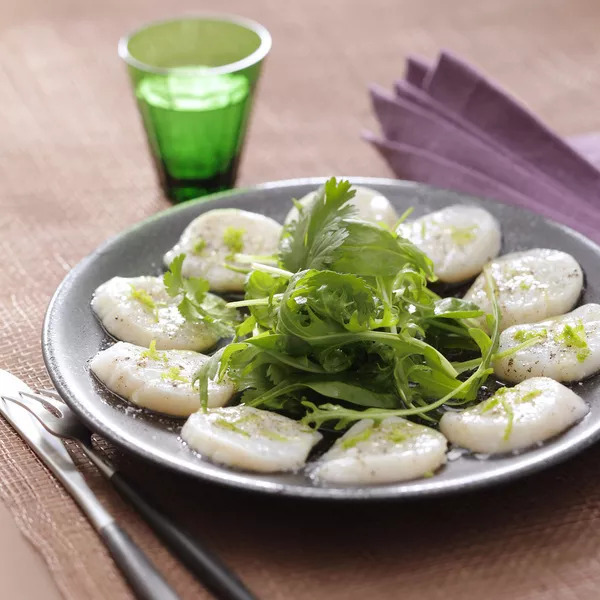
{"type": "Point", "coordinates": [233, 478]}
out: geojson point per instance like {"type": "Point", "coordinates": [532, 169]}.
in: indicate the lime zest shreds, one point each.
{"type": "Point", "coordinates": [224, 424]}
{"type": "Point", "coordinates": [523, 335]}
{"type": "Point", "coordinates": [145, 299]}
{"type": "Point", "coordinates": [233, 238]}
{"type": "Point", "coordinates": [273, 435]}
{"type": "Point", "coordinates": [574, 336]}
{"type": "Point", "coordinates": [583, 354]}
{"type": "Point", "coordinates": [499, 401]}
{"type": "Point", "coordinates": [396, 436]}
{"type": "Point", "coordinates": [362, 436]}
{"type": "Point", "coordinates": [199, 246]}
{"type": "Point", "coordinates": [153, 354]}
{"type": "Point", "coordinates": [489, 405]}
{"type": "Point", "coordinates": [530, 396]}
{"type": "Point", "coordinates": [174, 374]}
{"type": "Point", "coordinates": [463, 235]}
{"type": "Point", "coordinates": [502, 399]}
{"type": "Point", "coordinates": [511, 418]}
{"type": "Point", "coordinates": [262, 431]}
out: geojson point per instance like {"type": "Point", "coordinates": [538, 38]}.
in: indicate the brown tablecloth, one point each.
{"type": "Point", "coordinates": [74, 170]}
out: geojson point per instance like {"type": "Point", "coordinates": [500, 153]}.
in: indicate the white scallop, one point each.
{"type": "Point", "coordinates": [531, 286]}
{"type": "Point", "coordinates": [459, 239]}
{"type": "Point", "coordinates": [249, 438]}
{"type": "Point", "coordinates": [538, 408]}
{"type": "Point", "coordinates": [394, 450]}
{"type": "Point", "coordinates": [260, 236]}
{"type": "Point", "coordinates": [127, 318]}
{"type": "Point", "coordinates": [159, 381]}
{"type": "Point", "coordinates": [371, 206]}
{"type": "Point", "coordinates": [556, 354]}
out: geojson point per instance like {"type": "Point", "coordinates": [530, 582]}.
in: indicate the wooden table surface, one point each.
{"type": "Point", "coordinates": [74, 170]}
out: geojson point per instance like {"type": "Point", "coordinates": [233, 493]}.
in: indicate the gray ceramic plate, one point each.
{"type": "Point", "coordinates": [72, 336]}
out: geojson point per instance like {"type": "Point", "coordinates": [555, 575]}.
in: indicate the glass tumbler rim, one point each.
{"type": "Point", "coordinates": [248, 61]}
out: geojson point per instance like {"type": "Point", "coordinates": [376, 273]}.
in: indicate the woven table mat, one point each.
{"type": "Point", "coordinates": [74, 170]}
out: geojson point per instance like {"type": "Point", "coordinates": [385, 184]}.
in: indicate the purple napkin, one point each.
{"type": "Point", "coordinates": [449, 126]}
{"type": "Point", "coordinates": [587, 145]}
{"type": "Point", "coordinates": [416, 71]}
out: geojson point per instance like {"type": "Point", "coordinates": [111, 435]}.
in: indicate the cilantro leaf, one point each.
{"type": "Point", "coordinates": [196, 303]}
{"type": "Point", "coordinates": [371, 251]}
{"type": "Point", "coordinates": [309, 241]}
{"type": "Point", "coordinates": [173, 278]}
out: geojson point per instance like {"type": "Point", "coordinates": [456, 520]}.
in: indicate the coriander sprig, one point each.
{"type": "Point", "coordinates": [197, 304]}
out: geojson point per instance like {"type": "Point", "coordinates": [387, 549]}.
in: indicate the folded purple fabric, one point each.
{"type": "Point", "coordinates": [413, 95]}
{"type": "Point", "coordinates": [418, 126]}
{"type": "Point", "coordinates": [588, 145]}
{"type": "Point", "coordinates": [410, 162]}
{"type": "Point", "coordinates": [466, 92]}
{"type": "Point", "coordinates": [449, 126]}
{"type": "Point", "coordinates": [416, 71]}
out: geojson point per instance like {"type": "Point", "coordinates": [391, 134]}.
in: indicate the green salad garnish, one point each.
{"type": "Point", "coordinates": [574, 336]}
{"type": "Point", "coordinates": [341, 324]}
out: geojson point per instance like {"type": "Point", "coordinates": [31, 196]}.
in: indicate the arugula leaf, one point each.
{"type": "Point", "coordinates": [330, 388]}
{"type": "Point", "coordinates": [309, 241]}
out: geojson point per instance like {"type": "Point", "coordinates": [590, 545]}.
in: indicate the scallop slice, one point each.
{"type": "Point", "coordinates": [394, 450]}
{"type": "Point", "coordinates": [370, 204]}
{"type": "Point", "coordinates": [139, 310]}
{"type": "Point", "coordinates": [531, 286]}
{"type": "Point", "coordinates": [211, 240]}
{"type": "Point", "coordinates": [160, 381]}
{"type": "Point", "coordinates": [515, 418]}
{"type": "Point", "coordinates": [459, 239]}
{"type": "Point", "coordinates": [565, 348]}
{"type": "Point", "coordinates": [249, 438]}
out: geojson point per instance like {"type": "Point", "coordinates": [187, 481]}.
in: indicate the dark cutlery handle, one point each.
{"type": "Point", "coordinates": [146, 582]}
{"type": "Point", "coordinates": [202, 562]}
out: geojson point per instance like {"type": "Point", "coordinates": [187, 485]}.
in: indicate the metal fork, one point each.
{"type": "Point", "coordinates": [202, 562]}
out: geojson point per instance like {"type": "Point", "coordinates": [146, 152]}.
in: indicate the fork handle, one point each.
{"type": "Point", "coordinates": [145, 580]}
{"type": "Point", "coordinates": [201, 561]}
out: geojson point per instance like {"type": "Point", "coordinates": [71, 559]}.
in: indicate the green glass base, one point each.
{"type": "Point", "coordinates": [180, 190]}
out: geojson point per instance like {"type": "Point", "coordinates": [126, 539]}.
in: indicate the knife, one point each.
{"type": "Point", "coordinates": [141, 574]}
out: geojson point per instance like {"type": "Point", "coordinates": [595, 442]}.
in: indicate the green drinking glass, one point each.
{"type": "Point", "coordinates": [194, 79]}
